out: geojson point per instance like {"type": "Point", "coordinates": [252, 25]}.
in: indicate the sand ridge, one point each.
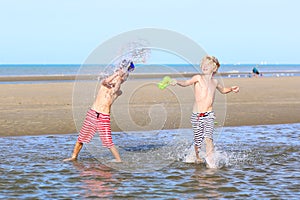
{"type": "Point", "coordinates": [46, 108]}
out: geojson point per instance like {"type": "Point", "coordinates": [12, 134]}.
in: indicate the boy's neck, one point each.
{"type": "Point", "coordinates": [207, 76]}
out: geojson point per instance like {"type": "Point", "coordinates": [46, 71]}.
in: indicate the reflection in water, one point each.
{"type": "Point", "coordinates": [262, 163]}
{"type": "Point", "coordinates": [97, 180]}
{"type": "Point", "coordinates": [208, 181]}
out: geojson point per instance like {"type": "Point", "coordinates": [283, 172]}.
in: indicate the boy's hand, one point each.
{"type": "Point", "coordinates": [120, 73]}
{"type": "Point", "coordinates": [173, 82]}
{"type": "Point", "coordinates": [235, 89]}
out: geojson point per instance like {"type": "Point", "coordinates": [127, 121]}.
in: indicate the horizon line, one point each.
{"type": "Point", "coordinates": [260, 64]}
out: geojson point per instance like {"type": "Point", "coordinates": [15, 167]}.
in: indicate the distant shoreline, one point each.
{"type": "Point", "coordinates": [155, 64]}
{"type": "Point", "coordinates": [139, 76]}
{"type": "Point", "coordinates": [48, 72]}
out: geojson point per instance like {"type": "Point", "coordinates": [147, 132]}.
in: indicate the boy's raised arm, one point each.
{"type": "Point", "coordinates": [108, 81]}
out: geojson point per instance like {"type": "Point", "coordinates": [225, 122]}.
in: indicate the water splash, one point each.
{"type": "Point", "coordinates": [145, 151]}
{"type": "Point", "coordinates": [138, 51]}
{"type": "Point", "coordinates": [220, 158]}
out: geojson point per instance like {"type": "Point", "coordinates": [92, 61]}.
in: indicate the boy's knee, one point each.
{"type": "Point", "coordinates": [107, 143]}
{"type": "Point", "coordinates": [208, 140]}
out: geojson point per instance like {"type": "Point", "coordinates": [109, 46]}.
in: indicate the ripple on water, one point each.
{"type": "Point", "coordinates": [257, 162]}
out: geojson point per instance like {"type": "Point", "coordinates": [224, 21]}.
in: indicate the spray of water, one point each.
{"type": "Point", "coordinates": [135, 52]}
{"type": "Point", "coordinates": [138, 51]}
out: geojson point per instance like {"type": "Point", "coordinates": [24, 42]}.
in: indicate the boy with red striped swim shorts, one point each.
{"type": "Point", "coordinates": [98, 116]}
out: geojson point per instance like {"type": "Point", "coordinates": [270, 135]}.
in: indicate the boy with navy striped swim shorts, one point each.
{"type": "Point", "coordinates": [202, 118]}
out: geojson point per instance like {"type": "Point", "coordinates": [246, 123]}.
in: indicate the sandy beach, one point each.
{"type": "Point", "coordinates": [46, 108]}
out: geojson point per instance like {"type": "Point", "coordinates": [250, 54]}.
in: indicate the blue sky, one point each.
{"type": "Point", "coordinates": [67, 31]}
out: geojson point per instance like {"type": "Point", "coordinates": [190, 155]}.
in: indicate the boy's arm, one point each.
{"type": "Point", "coordinates": [184, 83]}
{"type": "Point", "coordinates": [117, 86]}
{"type": "Point", "coordinates": [225, 90]}
{"type": "Point", "coordinates": [108, 81]}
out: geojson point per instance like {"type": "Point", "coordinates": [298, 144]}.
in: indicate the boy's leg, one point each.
{"type": "Point", "coordinates": [77, 148]}
{"type": "Point", "coordinates": [86, 133]}
{"type": "Point", "coordinates": [208, 138]}
{"type": "Point", "coordinates": [209, 151]}
{"type": "Point", "coordinates": [115, 153]}
{"type": "Point", "coordinates": [198, 159]}
{"type": "Point", "coordinates": [103, 126]}
{"type": "Point", "coordinates": [198, 135]}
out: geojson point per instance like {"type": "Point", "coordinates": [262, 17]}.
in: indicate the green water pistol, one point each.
{"type": "Point", "coordinates": [164, 83]}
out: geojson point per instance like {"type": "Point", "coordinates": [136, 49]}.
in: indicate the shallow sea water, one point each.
{"type": "Point", "coordinates": [257, 162]}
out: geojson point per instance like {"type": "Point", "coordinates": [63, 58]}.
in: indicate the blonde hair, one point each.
{"type": "Point", "coordinates": [213, 59]}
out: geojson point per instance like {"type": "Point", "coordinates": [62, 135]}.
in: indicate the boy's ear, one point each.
{"type": "Point", "coordinates": [215, 68]}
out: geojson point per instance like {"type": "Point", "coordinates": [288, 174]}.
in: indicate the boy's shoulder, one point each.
{"type": "Point", "coordinates": [215, 80]}
{"type": "Point", "coordinates": [197, 76]}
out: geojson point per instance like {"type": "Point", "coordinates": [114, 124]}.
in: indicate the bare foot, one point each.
{"type": "Point", "coordinates": [199, 161]}
{"type": "Point", "coordinates": [115, 161]}
{"type": "Point", "coordinates": [69, 159]}
{"type": "Point", "coordinates": [210, 162]}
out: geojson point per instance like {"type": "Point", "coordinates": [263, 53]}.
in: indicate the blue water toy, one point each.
{"type": "Point", "coordinates": [131, 67]}
{"type": "Point", "coordinates": [127, 65]}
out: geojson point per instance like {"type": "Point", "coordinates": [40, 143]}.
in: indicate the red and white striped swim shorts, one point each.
{"type": "Point", "coordinates": [93, 122]}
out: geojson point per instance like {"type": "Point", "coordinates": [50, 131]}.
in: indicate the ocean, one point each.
{"type": "Point", "coordinates": [229, 70]}
{"type": "Point", "coordinates": [255, 162]}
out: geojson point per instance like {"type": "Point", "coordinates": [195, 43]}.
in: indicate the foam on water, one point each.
{"type": "Point", "coordinates": [153, 150]}
{"type": "Point", "coordinates": [220, 159]}
{"type": "Point", "coordinates": [142, 151]}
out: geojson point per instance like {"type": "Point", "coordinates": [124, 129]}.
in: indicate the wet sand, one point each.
{"type": "Point", "coordinates": [46, 108]}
